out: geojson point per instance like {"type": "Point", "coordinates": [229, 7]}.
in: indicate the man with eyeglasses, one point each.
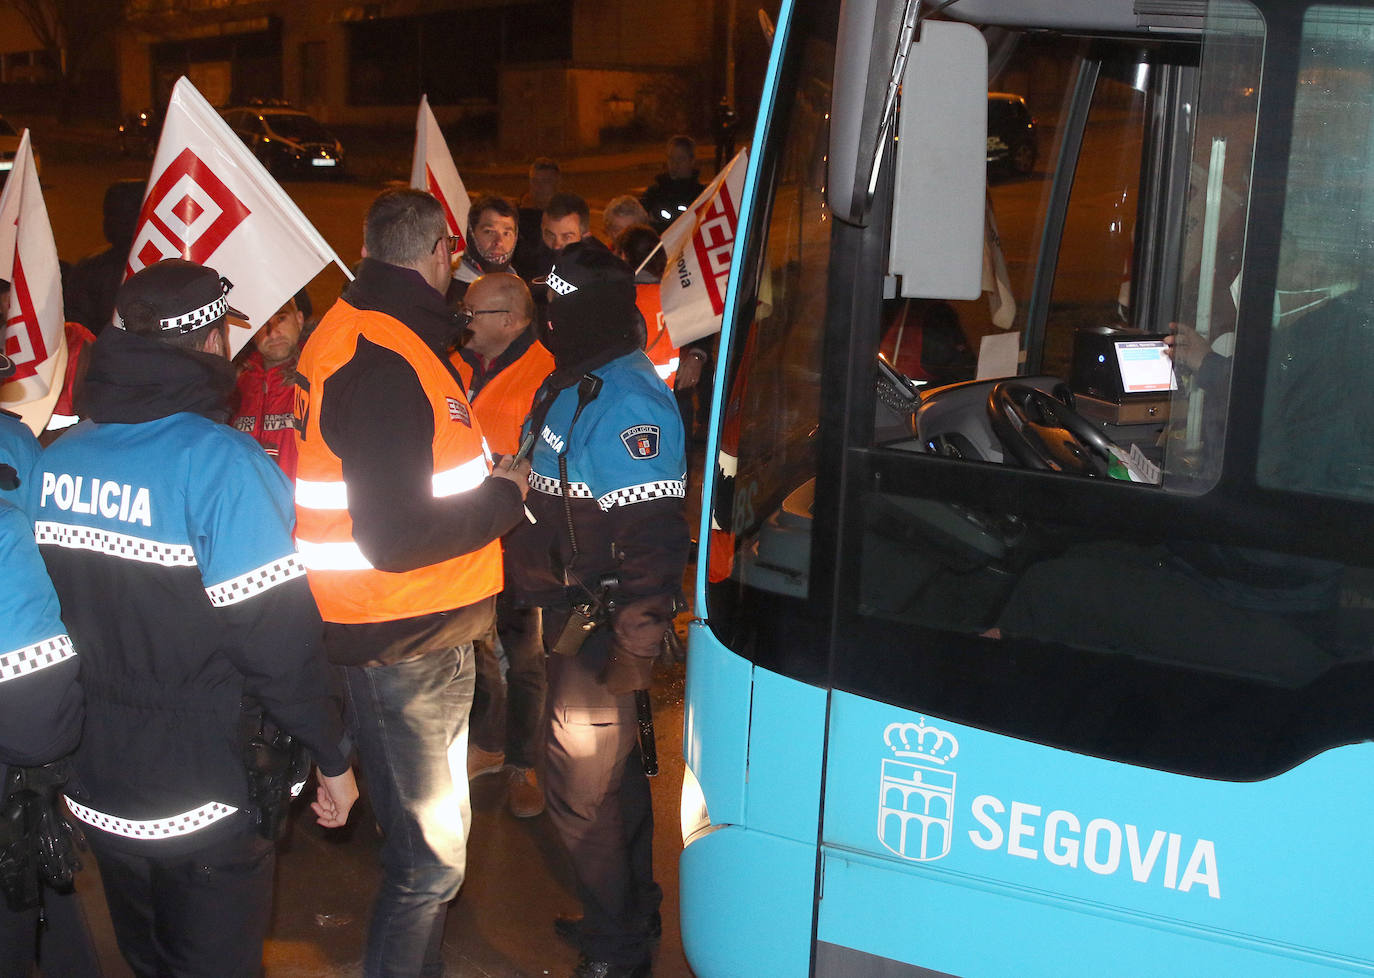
{"type": "Point", "coordinates": [399, 514]}
{"type": "Point", "coordinates": [503, 365]}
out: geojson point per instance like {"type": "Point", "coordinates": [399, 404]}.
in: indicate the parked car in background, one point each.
{"type": "Point", "coordinates": [286, 140]}
{"type": "Point", "coordinates": [138, 134]}
{"type": "Point", "coordinates": [1011, 134]}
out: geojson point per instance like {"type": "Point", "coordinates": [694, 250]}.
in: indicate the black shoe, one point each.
{"type": "Point", "coordinates": [569, 926]}
{"type": "Point", "coordinates": [587, 968]}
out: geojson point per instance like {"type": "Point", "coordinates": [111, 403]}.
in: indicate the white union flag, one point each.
{"type": "Point", "coordinates": [700, 245]}
{"type": "Point", "coordinates": [210, 201]}
{"type": "Point", "coordinates": [33, 333]}
{"type": "Point", "coordinates": [432, 170]}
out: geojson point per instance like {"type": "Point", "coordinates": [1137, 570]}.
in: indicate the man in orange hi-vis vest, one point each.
{"type": "Point", "coordinates": [503, 365]}
{"type": "Point", "coordinates": [638, 247]}
{"type": "Point", "coordinates": [399, 514]}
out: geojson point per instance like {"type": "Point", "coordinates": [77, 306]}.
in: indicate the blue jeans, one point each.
{"type": "Point", "coordinates": [410, 723]}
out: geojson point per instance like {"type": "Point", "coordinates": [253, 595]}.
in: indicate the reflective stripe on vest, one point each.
{"type": "Point", "coordinates": [321, 495]}
{"type": "Point", "coordinates": [158, 828]}
{"type": "Point", "coordinates": [658, 344]}
{"type": "Point", "coordinates": [344, 556]}
{"type": "Point", "coordinates": [334, 495]}
{"type": "Point", "coordinates": [347, 588]}
{"type": "Point", "coordinates": [462, 478]}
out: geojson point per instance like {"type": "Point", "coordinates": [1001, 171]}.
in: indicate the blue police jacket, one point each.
{"type": "Point", "coordinates": [40, 702]}
{"type": "Point", "coordinates": [19, 450]}
{"type": "Point", "coordinates": [168, 539]}
{"type": "Point", "coordinates": [626, 473]}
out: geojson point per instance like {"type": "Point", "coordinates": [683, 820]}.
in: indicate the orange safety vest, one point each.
{"type": "Point", "coordinates": [658, 345]}
{"type": "Point", "coordinates": [347, 588]}
{"type": "Point", "coordinates": [504, 401]}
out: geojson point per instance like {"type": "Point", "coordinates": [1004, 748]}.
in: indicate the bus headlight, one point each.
{"type": "Point", "coordinates": [696, 821]}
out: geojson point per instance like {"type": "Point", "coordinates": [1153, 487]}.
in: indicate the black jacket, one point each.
{"type": "Point", "coordinates": [375, 417]}
{"type": "Point", "coordinates": [666, 198]}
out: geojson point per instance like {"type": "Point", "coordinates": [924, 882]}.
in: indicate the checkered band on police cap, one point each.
{"type": "Point", "coordinates": [174, 295]}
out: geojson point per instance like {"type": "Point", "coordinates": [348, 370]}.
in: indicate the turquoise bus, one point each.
{"type": "Point", "coordinates": [1035, 596]}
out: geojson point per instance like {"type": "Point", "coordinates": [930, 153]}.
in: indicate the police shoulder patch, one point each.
{"type": "Point", "coordinates": [458, 411]}
{"type": "Point", "coordinates": [641, 441]}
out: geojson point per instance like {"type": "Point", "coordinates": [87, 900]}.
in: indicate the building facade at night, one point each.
{"type": "Point", "coordinates": [540, 76]}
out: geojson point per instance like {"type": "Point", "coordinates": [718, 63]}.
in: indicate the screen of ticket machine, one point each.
{"type": "Point", "coordinates": [1122, 376]}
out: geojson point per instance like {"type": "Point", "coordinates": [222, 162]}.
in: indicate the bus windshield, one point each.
{"type": "Point", "coordinates": [1111, 504]}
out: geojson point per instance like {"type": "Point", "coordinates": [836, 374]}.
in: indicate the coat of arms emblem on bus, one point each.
{"type": "Point", "coordinates": [916, 798]}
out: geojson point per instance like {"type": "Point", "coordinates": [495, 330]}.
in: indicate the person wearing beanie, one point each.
{"type": "Point", "coordinates": [607, 494]}
{"type": "Point", "coordinates": [167, 535]}
{"type": "Point", "coordinates": [88, 289]}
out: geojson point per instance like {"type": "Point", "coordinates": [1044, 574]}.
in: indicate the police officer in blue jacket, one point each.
{"type": "Point", "coordinates": [167, 535]}
{"type": "Point", "coordinates": [604, 557]}
{"type": "Point", "coordinates": [18, 451]}
{"type": "Point", "coordinates": [40, 701]}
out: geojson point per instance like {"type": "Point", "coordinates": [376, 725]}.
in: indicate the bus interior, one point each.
{"type": "Point", "coordinates": [1115, 495]}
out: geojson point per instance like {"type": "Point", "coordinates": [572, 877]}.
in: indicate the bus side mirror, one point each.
{"type": "Point", "coordinates": [940, 191]}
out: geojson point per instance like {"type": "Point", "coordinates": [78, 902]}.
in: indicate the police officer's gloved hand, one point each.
{"type": "Point", "coordinates": [626, 673]}
{"type": "Point", "coordinates": [637, 629]}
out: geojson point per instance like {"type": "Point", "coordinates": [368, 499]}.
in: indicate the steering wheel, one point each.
{"type": "Point", "coordinates": [1040, 431]}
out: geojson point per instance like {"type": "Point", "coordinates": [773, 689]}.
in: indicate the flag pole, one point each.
{"type": "Point", "coordinates": [657, 248]}
{"type": "Point", "coordinates": [344, 268]}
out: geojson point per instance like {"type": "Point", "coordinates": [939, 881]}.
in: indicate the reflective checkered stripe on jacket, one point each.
{"type": "Point", "coordinates": [154, 828]}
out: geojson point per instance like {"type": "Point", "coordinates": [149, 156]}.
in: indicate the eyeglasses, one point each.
{"type": "Point", "coordinates": [468, 315]}
{"type": "Point", "coordinates": [455, 242]}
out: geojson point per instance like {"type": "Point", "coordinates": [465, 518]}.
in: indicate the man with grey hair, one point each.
{"type": "Point", "coordinates": [399, 515]}
{"type": "Point", "coordinates": [622, 213]}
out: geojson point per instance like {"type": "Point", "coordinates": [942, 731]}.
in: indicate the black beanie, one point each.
{"type": "Point", "coordinates": [591, 305]}
{"type": "Point", "coordinates": [123, 201]}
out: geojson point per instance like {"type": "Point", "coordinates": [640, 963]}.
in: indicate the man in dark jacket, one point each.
{"type": "Point", "coordinates": [88, 289]}
{"type": "Point", "coordinates": [167, 535]}
{"type": "Point", "coordinates": [673, 190]}
{"type": "Point", "coordinates": [399, 515]}
{"type": "Point", "coordinates": [609, 545]}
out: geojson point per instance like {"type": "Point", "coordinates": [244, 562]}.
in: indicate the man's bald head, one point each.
{"type": "Point", "coordinates": [500, 308]}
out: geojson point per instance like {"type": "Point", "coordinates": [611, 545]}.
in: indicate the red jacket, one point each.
{"type": "Point", "coordinates": [266, 402]}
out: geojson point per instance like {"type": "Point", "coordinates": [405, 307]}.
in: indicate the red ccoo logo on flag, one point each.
{"type": "Point", "coordinates": [187, 214]}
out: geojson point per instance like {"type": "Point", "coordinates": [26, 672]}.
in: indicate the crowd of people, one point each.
{"type": "Point", "coordinates": [445, 522]}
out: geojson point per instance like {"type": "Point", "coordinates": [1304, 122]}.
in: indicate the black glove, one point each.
{"type": "Point", "coordinates": [625, 673]}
